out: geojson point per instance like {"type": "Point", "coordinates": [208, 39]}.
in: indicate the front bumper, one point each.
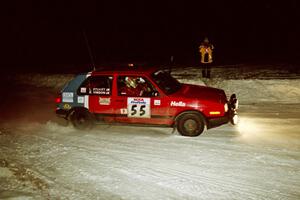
{"type": "Point", "coordinates": [231, 116]}
{"type": "Point", "coordinates": [215, 122]}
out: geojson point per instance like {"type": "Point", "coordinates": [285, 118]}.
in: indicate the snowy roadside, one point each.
{"type": "Point", "coordinates": [259, 159]}
{"type": "Point", "coordinates": [49, 161]}
{"type": "Point", "coordinates": [252, 85]}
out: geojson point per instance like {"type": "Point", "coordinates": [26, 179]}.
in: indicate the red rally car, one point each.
{"type": "Point", "coordinates": [146, 97]}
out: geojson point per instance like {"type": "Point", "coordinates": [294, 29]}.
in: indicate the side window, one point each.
{"type": "Point", "coordinates": [135, 86]}
{"type": "Point", "coordinates": [96, 85]}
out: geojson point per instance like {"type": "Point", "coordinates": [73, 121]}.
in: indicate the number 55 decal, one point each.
{"type": "Point", "coordinates": [138, 107]}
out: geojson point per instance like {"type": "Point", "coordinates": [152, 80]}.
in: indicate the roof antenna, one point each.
{"type": "Point", "coordinates": [89, 49]}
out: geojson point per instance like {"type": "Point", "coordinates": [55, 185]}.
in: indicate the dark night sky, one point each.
{"type": "Point", "coordinates": [51, 32]}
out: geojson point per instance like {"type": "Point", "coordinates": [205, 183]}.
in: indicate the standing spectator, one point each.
{"type": "Point", "coordinates": [206, 50]}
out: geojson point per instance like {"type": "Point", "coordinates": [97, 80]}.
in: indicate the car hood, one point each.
{"type": "Point", "coordinates": [201, 92]}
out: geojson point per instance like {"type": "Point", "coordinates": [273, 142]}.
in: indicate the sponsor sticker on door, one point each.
{"type": "Point", "coordinates": [157, 102]}
{"type": "Point", "coordinates": [104, 101]}
{"type": "Point", "coordinates": [123, 111]}
{"type": "Point", "coordinates": [138, 107]}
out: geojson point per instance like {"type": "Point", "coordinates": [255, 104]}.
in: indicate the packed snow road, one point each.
{"type": "Point", "coordinates": [42, 158]}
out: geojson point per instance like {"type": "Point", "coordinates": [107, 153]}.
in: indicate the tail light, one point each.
{"type": "Point", "coordinates": [58, 99]}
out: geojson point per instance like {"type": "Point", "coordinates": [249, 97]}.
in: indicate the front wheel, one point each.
{"type": "Point", "coordinates": [190, 124]}
{"type": "Point", "coordinates": [81, 119]}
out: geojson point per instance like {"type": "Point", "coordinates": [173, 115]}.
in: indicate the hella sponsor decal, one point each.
{"type": "Point", "coordinates": [178, 104]}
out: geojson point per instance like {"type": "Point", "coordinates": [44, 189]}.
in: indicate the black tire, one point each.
{"type": "Point", "coordinates": [81, 119]}
{"type": "Point", "coordinates": [191, 124]}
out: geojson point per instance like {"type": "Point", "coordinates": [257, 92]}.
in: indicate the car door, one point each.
{"type": "Point", "coordinates": [138, 102]}
{"type": "Point", "coordinates": [99, 91]}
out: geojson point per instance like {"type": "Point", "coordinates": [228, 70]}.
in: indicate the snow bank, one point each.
{"type": "Point", "coordinates": [258, 159]}
{"type": "Point", "coordinates": [265, 85]}
{"type": "Point", "coordinates": [56, 81]}
{"type": "Point", "coordinates": [260, 91]}
{"type": "Point", "coordinates": [255, 90]}
{"type": "Point", "coordinates": [252, 84]}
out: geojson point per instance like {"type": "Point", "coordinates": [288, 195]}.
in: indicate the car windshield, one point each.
{"type": "Point", "coordinates": [166, 82]}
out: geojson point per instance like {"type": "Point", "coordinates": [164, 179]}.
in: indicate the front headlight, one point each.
{"type": "Point", "coordinates": [225, 107]}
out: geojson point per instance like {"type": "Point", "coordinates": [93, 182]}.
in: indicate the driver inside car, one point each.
{"type": "Point", "coordinates": [135, 86]}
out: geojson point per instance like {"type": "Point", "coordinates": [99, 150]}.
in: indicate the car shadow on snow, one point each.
{"type": "Point", "coordinates": [111, 129]}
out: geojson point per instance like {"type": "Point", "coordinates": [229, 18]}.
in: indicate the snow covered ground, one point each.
{"type": "Point", "coordinates": [43, 158]}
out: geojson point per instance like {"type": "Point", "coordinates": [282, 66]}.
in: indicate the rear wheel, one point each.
{"type": "Point", "coordinates": [190, 124]}
{"type": "Point", "coordinates": [81, 119]}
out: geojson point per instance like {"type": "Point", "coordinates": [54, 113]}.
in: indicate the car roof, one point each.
{"type": "Point", "coordinates": [128, 70]}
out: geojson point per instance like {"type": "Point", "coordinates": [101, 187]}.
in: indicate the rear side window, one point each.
{"type": "Point", "coordinates": [96, 85]}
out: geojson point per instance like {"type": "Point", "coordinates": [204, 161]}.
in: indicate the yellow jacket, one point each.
{"type": "Point", "coordinates": [206, 49]}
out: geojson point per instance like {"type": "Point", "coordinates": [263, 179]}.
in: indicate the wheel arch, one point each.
{"type": "Point", "coordinates": [190, 112]}
{"type": "Point", "coordinates": [77, 109]}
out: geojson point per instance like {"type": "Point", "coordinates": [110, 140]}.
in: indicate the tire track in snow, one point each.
{"type": "Point", "coordinates": [215, 182]}
{"type": "Point", "coordinates": [253, 186]}
{"type": "Point", "coordinates": [119, 147]}
{"type": "Point", "coordinates": [158, 163]}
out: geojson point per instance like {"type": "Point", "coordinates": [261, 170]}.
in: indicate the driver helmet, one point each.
{"type": "Point", "coordinates": [131, 82]}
